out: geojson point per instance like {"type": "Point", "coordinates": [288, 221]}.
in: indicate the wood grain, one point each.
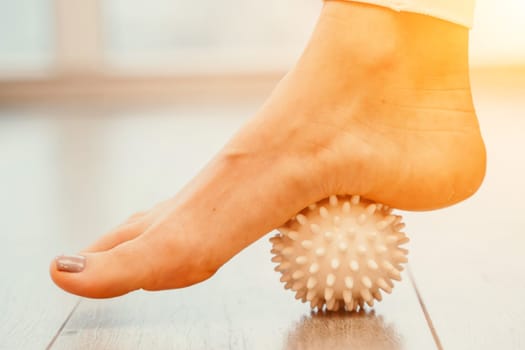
{"type": "Point", "coordinates": [100, 165]}
{"type": "Point", "coordinates": [70, 173]}
{"type": "Point", "coordinates": [242, 307]}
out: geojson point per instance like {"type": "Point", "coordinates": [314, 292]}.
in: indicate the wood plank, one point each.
{"type": "Point", "coordinates": [468, 259]}
{"type": "Point", "coordinates": [243, 307]}
{"type": "Point", "coordinates": [81, 175]}
{"type": "Point", "coordinates": [32, 308]}
{"type": "Point", "coordinates": [66, 178]}
{"type": "Point", "coordinates": [62, 187]}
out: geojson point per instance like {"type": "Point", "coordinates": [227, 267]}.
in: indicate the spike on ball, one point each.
{"type": "Point", "coordinates": [341, 252]}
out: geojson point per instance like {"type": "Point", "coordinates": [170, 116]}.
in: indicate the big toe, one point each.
{"type": "Point", "coordinates": [106, 274]}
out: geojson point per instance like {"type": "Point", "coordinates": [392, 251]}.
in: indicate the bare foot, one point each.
{"type": "Point", "coordinates": [378, 105]}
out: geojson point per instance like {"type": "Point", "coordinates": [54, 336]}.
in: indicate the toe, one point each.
{"type": "Point", "coordinates": [102, 274]}
{"type": "Point", "coordinates": [125, 232]}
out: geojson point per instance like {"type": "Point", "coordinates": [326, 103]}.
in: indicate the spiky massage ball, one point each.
{"type": "Point", "coordinates": [340, 252]}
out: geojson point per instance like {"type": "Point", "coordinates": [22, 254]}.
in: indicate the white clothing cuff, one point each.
{"type": "Point", "coordinates": [456, 11]}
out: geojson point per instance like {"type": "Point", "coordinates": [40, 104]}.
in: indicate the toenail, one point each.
{"type": "Point", "coordinates": [70, 263]}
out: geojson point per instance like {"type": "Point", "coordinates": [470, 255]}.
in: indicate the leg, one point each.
{"type": "Point", "coordinates": [379, 105]}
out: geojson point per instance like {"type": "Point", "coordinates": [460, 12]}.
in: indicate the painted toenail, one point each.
{"type": "Point", "coordinates": [70, 263]}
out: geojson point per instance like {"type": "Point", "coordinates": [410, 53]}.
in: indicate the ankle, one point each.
{"type": "Point", "coordinates": [380, 41]}
{"type": "Point", "coordinates": [364, 34]}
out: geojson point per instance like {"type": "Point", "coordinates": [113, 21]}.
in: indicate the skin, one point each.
{"type": "Point", "coordinates": [378, 105]}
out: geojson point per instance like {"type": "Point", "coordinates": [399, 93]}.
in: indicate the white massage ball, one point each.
{"type": "Point", "coordinates": [341, 252]}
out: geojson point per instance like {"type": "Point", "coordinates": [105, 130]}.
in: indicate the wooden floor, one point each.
{"type": "Point", "coordinates": [70, 171]}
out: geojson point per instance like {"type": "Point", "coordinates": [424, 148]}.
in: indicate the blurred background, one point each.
{"type": "Point", "coordinates": [48, 38]}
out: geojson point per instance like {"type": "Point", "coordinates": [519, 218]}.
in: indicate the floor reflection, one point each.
{"type": "Point", "coordinates": [356, 331]}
